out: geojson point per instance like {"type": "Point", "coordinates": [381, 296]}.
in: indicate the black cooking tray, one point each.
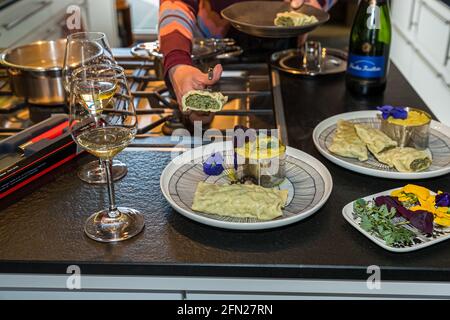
{"type": "Point", "coordinates": [257, 18]}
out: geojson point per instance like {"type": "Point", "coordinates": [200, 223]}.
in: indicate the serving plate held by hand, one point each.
{"type": "Point", "coordinates": [439, 147]}
{"type": "Point", "coordinates": [308, 181]}
{"type": "Point", "coordinates": [257, 18]}
{"type": "Point", "coordinates": [419, 242]}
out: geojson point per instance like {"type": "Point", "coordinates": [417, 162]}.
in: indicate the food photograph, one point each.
{"type": "Point", "coordinates": [224, 150]}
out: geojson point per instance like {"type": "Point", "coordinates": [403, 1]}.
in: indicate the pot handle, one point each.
{"type": "Point", "coordinates": [146, 50]}
{"type": "Point", "coordinates": [14, 72]}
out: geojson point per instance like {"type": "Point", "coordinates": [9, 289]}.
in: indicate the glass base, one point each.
{"type": "Point", "coordinates": [93, 173]}
{"type": "Point", "coordinates": [128, 223]}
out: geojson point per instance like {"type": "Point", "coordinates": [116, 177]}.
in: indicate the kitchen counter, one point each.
{"type": "Point", "coordinates": [42, 234]}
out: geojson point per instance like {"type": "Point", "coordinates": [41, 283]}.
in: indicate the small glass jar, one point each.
{"type": "Point", "coordinates": [263, 161]}
{"type": "Point", "coordinates": [406, 133]}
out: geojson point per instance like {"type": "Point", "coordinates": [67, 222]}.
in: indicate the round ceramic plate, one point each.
{"type": "Point", "coordinates": [257, 18]}
{"type": "Point", "coordinates": [439, 148]}
{"type": "Point", "coordinates": [308, 181]}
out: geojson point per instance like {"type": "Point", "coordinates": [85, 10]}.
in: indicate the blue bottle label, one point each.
{"type": "Point", "coordinates": [365, 66]}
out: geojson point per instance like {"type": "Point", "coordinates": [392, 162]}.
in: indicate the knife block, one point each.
{"type": "Point", "coordinates": [20, 167]}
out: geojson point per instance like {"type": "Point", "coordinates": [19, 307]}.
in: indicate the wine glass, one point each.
{"type": "Point", "coordinates": [84, 49]}
{"type": "Point", "coordinates": [103, 121]}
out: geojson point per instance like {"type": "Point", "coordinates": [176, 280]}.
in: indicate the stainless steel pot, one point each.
{"type": "Point", "coordinates": [35, 71]}
{"type": "Point", "coordinates": [203, 50]}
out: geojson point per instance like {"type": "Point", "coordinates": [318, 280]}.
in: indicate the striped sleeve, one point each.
{"type": "Point", "coordinates": [177, 20]}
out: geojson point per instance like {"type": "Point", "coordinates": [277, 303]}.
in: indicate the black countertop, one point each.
{"type": "Point", "coordinates": [43, 232]}
{"type": "Point", "coordinates": [447, 2]}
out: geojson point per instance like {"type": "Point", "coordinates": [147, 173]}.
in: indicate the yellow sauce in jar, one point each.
{"type": "Point", "coordinates": [415, 118]}
{"type": "Point", "coordinates": [263, 148]}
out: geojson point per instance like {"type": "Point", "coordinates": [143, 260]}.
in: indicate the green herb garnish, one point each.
{"type": "Point", "coordinates": [413, 200]}
{"type": "Point", "coordinates": [378, 221]}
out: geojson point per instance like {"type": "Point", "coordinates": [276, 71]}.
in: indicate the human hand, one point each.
{"type": "Point", "coordinates": [295, 4]}
{"type": "Point", "coordinates": [185, 78]}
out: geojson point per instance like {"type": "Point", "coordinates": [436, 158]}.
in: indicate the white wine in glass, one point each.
{"type": "Point", "coordinates": [106, 142]}
{"type": "Point", "coordinates": [86, 49]}
{"type": "Point", "coordinates": [103, 121]}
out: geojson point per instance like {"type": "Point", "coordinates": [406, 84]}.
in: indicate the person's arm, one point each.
{"type": "Point", "coordinates": [321, 4]}
{"type": "Point", "coordinates": [177, 19]}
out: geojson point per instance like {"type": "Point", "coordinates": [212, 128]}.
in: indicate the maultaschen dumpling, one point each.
{"type": "Point", "coordinates": [202, 100]}
{"type": "Point", "coordinates": [239, 200]}
{"type": "Point", "coordinates": [405, 159]}
{"type": "Point", "coordinates": [346, 142]}
{"type": "Point", "coordinates": [293, 19]}
{"type": "Point", "coordinates": [375, 139]}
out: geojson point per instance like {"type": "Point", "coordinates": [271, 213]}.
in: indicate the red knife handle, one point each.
{"type": "Point", "coordinates": [52, 133]}
{"type": "Point", "coordinates": [49, 134]}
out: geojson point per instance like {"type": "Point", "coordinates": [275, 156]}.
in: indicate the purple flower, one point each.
{"type": "Point", "coordinates": [385, 111]}
{"type": "Point", "coordinates": [213, 166]}
{"type": "Point", "coordinates": [396, 112]}
{"type": "Point", "coordinates": [443, 200]}
{"type": "Point", "coordinates": [399, 113]}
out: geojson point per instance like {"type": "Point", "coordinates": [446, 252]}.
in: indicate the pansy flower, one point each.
{"type": "Point", "coordinates": [213, 166]}
{"type": "Point", "coordinates": [394, 112]}
{"type": "Point", "coordinates": [443, 199]}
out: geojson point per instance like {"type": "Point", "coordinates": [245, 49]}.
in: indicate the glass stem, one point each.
{"type": "Point", "coordinates": [109, 181]}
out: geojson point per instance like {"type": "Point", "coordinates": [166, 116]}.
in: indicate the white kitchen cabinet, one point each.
{"type": "Point", "coordinates": [403, 58]}
{"type": "Point", "coordinates": [421, 50]}
{"type": "Point", "coordinates": [431, 86]}
{"type": "Point", "coordinates": [22, 18]}
{"type": "Point", "coordinates": [51, 30]}
{"type": "Point", "coordinates": [32, 20]}
{"type": "Point", "coordinates": [433, 34]}
{"type": "Point", "coordinates": [35, 286]}
{"type": "Point", "coordinates": [405, 15]}
{"type": "Point", "coordinates": [448, 69]}
{"type": "Point", "coordinates": [102, 17]}
{"type": "Point", "coordinates": [87, 295]}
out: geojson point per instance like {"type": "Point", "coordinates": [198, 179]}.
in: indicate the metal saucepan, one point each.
{"type": "Point", "coordinates": [257, 18]}
{"type": "Point", "coordinates": [202, 50]}
{"type": "Point", "coordinates": [35, 71]}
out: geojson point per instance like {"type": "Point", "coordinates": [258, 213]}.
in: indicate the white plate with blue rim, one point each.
{"type": "Point", "coordinates": [439, 147]}
{"type": "Point", "coordinates": [308, 181]}
{"type": "Point", "coordinates": [419, 241]}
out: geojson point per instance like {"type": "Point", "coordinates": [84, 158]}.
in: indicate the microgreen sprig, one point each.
{"type": "Point", "coordinates": [379, 221]}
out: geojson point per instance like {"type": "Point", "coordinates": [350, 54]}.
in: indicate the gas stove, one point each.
{"type": "Point", "coordinates": [252, 89]}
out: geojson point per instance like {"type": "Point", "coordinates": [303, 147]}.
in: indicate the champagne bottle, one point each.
{"type": "Point", "coordinates": [370, 39]}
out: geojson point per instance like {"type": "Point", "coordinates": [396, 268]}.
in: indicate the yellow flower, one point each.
{"type": "Point", "coordinates": [445, 222]}
{"type": "Point", "coordinates": [442, 210]}
{"type": "Point", "coordinates": [397, 193]}
{"type": "Point", "coordinates": [420, 192]}
{"type": "Point", "coordinates": [442, 219]}
{"type": "Point", "coordinates": [427, 202]}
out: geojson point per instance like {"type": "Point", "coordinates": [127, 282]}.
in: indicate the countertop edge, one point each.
{"type": "Point", "coordinates": [311, 272]}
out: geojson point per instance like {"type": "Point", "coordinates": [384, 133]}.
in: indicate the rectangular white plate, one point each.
{"type": "Point", "coordinates": [439, 234]}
